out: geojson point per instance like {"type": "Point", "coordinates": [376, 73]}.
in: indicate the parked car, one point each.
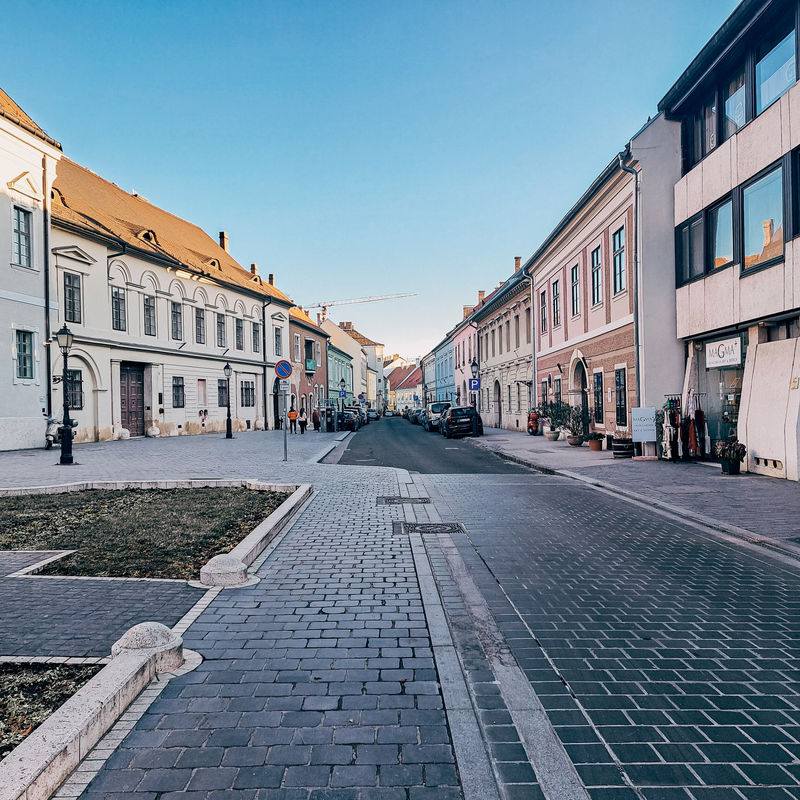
{"type": "Point", "coordinates": [388, 413]}
{"type": "Point", "coordinates": [348, 421]}
{"type": "Point", "coordinates": [373, 414]}
{"type": "Point", "coordinates": [433, 415]}
{"type": "Point", "coordinates": [359, 412]}
{"type": "Point", "coordinates": [422, 417]}
{"type": "Point", "coordinates": [461, 421]}
{"type": "Point", "coordinates": [414, 416]}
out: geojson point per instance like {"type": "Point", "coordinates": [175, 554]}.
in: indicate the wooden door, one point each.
{"type": "Point", "coordinates": [131, 394]}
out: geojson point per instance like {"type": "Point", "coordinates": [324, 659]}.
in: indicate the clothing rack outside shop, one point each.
{"type": "Point", "coordinates": [685, 435]}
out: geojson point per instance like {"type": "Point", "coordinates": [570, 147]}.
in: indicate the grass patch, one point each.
{"type": "Point", "coordinates": [30, 693]}
{"type": "Point", "coordinates": [134, 533]}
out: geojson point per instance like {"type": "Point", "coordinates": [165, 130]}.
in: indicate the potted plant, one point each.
{"type": "Point", "coordinates": [731, 453]}
{"type": "Point", "coordinates": [555, 417]}
{"type": "Point", "coordinates": [573, 422]}
{"type": "Point", "coordinates": [622, 446]}
{"type": "Point", "coordinates": [595, 441]}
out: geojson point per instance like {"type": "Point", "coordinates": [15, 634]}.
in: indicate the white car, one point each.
{"type": "Point", "coordinates": [388, 413]}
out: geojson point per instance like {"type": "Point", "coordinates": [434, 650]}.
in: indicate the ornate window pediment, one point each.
{"type": "Point", "coordinates": [74, 253]}
{"type": "Point", "coordinates": [24, 184]}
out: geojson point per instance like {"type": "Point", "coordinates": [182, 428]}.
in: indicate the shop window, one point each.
{"type": "Point", "coordinates": [557, 391]}
{"type": "Point", "coordinates": [720, 235]}
{"type": "Point", "coordinates": [762, 219]}
{"type": "Point", "coordinates": [775, 70]}
{"type": "Point", "coordinates": [621, 391]}
{"type": "Point", "coordinates": [597, 386]}
{"type": "Point", "coordinates": [544, 394]}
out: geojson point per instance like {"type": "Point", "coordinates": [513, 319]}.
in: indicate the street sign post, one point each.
{"type": "Point", "coordinates": [474, 384]}
{"type": "Point", "coordinates": [283, 369]}
{"type": "Point", "coordinates": [342, 394]}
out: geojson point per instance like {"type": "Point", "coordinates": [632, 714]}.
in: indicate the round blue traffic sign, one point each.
{"type": "Point", "coordinates": [283, 369]}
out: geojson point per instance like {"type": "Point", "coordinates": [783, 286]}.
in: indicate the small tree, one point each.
{"type": "Point", "coordinates": [573, 420]}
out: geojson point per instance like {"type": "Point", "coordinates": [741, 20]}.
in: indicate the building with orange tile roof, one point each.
{"type": "Point", "coordinates": [28, 161]}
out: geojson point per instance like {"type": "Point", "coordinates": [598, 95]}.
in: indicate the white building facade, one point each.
{"type": "Point", "coordinates": [28, 161]}
{"type": "Point", "coordinates": [157, 308]}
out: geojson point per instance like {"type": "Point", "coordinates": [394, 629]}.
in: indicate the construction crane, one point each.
{"type": "Point", "coordinates": [325, 304]}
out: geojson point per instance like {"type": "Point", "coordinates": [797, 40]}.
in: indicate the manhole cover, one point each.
{"type": "Point", "coordinates": [432, 527]}
{"type": "Point", "coordinates": [397, 501]}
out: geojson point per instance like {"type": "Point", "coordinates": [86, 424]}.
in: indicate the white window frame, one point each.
{"type": "Point", "coordinates": [28, 210]}
{"type": "Point", "coordinates": [34, 331]}
{"type": "Point", "coordinates": [277, 340]}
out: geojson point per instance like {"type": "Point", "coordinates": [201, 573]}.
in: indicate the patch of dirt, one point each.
{"type": "Point", "coordinates": [30, 693]}
{"type": "Point", "coordinates": [134, 533]}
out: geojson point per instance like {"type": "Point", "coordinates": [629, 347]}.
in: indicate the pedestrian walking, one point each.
{"type": "Point", "coordinates": [302, 419]}
{"type": "Point", "coordinates": [292, 421]}
{"type": "Point", "coordinates": [315, 419]}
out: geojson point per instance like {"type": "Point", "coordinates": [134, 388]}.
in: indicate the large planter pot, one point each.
{"type": "Point", "coordinates": [731, 467]}
{"type": "Point", "coordinates": [596, 445]}
{"type": "Point", "coordinates": [575, 441]}
{"type": "Point", "coordinates": [552, 436]}
{"type": "Point", "coordinates": [622, 448]}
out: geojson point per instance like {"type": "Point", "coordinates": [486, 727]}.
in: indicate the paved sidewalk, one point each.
{"type": "Point", "coordinates": [763, 507]}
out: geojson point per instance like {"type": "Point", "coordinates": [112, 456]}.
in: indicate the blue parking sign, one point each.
{"type": "Point", "coordinates": [474, 384]}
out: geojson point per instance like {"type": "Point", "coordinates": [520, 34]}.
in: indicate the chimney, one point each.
{"type": "Point", "coordinates": [467, 311]}
{"type": "Point", "coordinates": [481, 295]}
{"type": "Point", "coordinates": [223, 240]}
{"type": "Point", "coordinates": [769, 231]}
{"type": "Point", "coordinates": [271, 279]}
{"type": "Point", "coordinates": [319, 319]}
{"type": "Point", "coordinates": [517, 259]}
{"type": "Point", "coordinates": [253, 269]}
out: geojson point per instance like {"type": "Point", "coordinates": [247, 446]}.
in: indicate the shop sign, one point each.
{"type": "Point", "coordinates": [724, 353]}
{"type": "Point", "coordinates": [643, 424]}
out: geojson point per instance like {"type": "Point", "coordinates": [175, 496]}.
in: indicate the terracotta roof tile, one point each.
{"type": "Point", "coordinates": [10, 110]}
{"type": "Point", "coordinates": [89, 201]}
{"type": "Point", "coordinates": [301, 316]}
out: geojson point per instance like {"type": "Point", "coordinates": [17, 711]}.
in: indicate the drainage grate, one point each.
{"type": "Point", "coordinates": [432, 527]}
{"type": "Point", "coordinates": [397, 501]}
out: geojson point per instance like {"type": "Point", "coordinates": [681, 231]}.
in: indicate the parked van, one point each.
{"type": "Point", "coordinates": [434, 414]}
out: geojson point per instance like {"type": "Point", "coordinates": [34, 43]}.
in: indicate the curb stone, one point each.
{"type": "Point", "coordinates": [41, 762]}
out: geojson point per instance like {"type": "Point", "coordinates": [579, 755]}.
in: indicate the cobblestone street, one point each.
{"type": "Point", "coordinates": [601, 649]}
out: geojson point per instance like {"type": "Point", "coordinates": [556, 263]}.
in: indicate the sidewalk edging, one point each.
{"type": "Point", "coordinates": [784, 548]}
{"type": "Point", "coordinates": [48, 756]}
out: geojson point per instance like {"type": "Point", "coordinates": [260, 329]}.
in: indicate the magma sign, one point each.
{"type": "Point", "coordinates": [724, 353]}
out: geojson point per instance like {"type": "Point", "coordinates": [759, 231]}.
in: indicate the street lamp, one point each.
{"type": "Point", "coordinates": [64, 338]}
{"type": "Point", "coordinates": [228, 371]}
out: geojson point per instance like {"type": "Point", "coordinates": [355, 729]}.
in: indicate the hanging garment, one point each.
{"type": "Point", "coordinates": [666, 441]}
{"type": "Point", "coordinates": [700, 430]}
{"type": "Point", "coordinates": [691, 404]}
{"type": "Point", "coordinates": [692, 439]}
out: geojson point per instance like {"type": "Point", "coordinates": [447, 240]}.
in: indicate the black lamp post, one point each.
{"type": "Point", "coordinates": [64, 338]}
{"type": "Point", "coordinates": [228, 372]}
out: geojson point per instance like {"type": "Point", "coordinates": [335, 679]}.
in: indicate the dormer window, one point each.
{"type": "Point", "coordinates": [147, 236]}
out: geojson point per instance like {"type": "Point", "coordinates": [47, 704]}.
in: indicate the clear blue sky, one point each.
{"type": "Point", "coordinates": [356, 148]}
